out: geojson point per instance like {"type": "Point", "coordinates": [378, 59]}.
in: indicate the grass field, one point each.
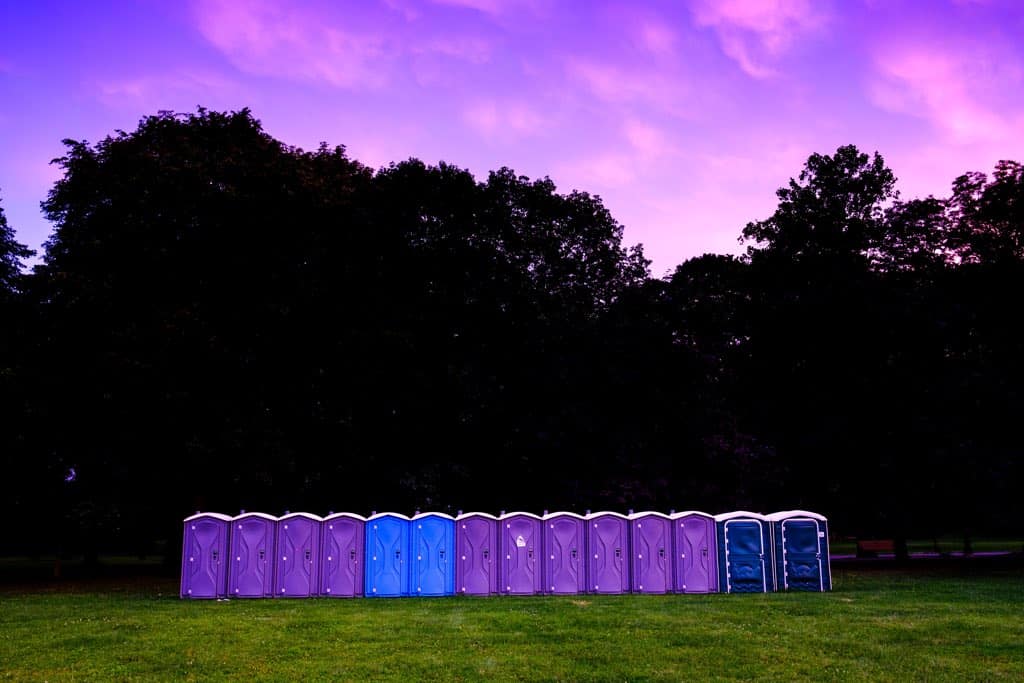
{"type": "Point", "coordinates": [876, 625]}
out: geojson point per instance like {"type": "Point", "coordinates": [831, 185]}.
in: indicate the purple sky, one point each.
{"type": "Point", "coordinates": [684, 116]}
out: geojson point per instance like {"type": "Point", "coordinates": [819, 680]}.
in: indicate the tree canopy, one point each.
{"type": "Point", "coordinates": [222, 321]}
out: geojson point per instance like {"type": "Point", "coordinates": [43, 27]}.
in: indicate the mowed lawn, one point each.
{"type": "Point", "coordinates": [876, 625]}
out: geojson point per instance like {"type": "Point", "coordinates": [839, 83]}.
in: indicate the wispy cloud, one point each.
{"type": "Point", "coordinates": [960, 89]}
{"type": "Point", "coordinates": [657, 37]}
{"type": "Point", "coordinates": [275, 39]}
{"type": "Point", "coordinates": [629, 85]}
{"type": "Point", "coordinates": [754, 33]}
{"type": "Point", "coordinates": [504, 119]}
{"type": "Point", "coordinates": [159, 91]}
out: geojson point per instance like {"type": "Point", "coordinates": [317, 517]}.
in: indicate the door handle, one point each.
{"type": "Point", "coordinates": [215, 556]}
{"type": "Point", "coordinates": [309, 554]}
{"type": "Point", "coordinates": [352, 555]}
{"type": "Point", "coordinates": [262, 553]}
{"type": "Point", "coordinates": [572, 553]}
{"type": "Point", "coordinates": [618, 552]}
{"type": "Point", "coordinates": [487, 553]}
{"type": "Point", "coordinates": [661, 552]}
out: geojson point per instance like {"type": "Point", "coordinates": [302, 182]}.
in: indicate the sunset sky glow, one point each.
{"type": "Point", "coordinates": [683, 116]}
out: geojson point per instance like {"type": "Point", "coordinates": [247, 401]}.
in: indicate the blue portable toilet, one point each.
{"type": "Point", "coordinates": [251, 560]}
{"type": "Point", "coordinates": [341, 555]}
{"type": "Point", "coordinates": [387, 552]}
{"type": "Point", "coordinates": [204, 555]}
{"type": "Point", "coordinates": [432, 554]}
{"type": "Point", "coordinates": [476, 538]}
{"type": "Point", "coordinates": [297, 555]}
{"type": "Point", "coordinates": [744, 553]}
{"type": "Point", "coordinates": [801, 551]}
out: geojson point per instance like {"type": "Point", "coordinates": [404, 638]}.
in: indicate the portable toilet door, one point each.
{"type": "Point", "coordinates": [476, 539]}
{"type": "Point", "coordinates": [651, 552]}
{"type": "Point", "coordinates": [433, 554]}
{"type": "Point", "coordinates": [564, 553]}
{"type": "Point", "coordinates": [297, 555]}
{"type": "Point", "coordinates": [387, 550]}
{"type": "Point", "coordinates": [341, 555]}
{"type": "Point", "coordinates": [695, 557]}
{"type": "Point", "coordinates": [607, 552]}
{"type": "Point", "coordinates": [519, 539]}
{"type": "Point", "coordinates": [744, 553]}
{"type": "Point", "coordinates": [203, 556]}
{"type": "Point", "coordinates": [251, 564]}
{"type": "Point", "coordinates": [801, 550]}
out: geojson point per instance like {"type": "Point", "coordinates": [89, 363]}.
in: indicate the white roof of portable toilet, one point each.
{"type": "Point", "coordinates": [338, 515]}
{"type": "Point", "coordinates": [786, 514]}
{"type": "Point", "coordinates": [306, 515]}
{"type": "Point", "coordinates": [261, 515]}
{"type": "Point", "coordinates": [649, 513]}
{"type": "Point", "coordinates": [604, 513]}
{"type": "Point", "coordinates": [551, 515]}
{"type": "Point", "coordinates": [215, 515]}
{"type": "Point", "coordinates": [515, 514]}
{"type": "Point", "coordinates": [687, 513]}
{"type": "Point", "coordinates": [740, 513]}
{"type": "Point", "coordinates": [421, 515]}
{"type": "Point", "coordinates": [476, 514]}
{"type": "Point", "coordinates": [388, 514]}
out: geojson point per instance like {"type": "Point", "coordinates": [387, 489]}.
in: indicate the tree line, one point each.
{"type": "Point", "coordinates": [220, 321]}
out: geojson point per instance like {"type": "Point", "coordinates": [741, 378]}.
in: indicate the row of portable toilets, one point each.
{"type": "Point", "coordinates": [254, 555]}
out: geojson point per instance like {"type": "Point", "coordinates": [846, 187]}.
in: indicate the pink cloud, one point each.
{"type": "Point", "coordinates": [753, 33]}
{"type": "Point", "coordinates": [960, 89]}
{"type": "Point", "coordinates": [598, 173]}
{"type": "Point", "coordinates": [150, 93]}
{"type": "Point", "coordinates": [658, 38]}
{"type": "Point", "coordinates": [494, 119]}
{"type": "Point", "coordinates": [273, 39]}
{"type": "Point", "coordinates": [493, 7]}
{"type": "Point", "coordinates": [630, 85]}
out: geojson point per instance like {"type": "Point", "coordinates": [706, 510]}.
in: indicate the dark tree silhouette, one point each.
{"type": "Point", "coordinates": [222, 321]}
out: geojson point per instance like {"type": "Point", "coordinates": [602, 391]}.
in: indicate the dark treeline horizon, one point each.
{"type": "Point", "coordinates": [221, 322]}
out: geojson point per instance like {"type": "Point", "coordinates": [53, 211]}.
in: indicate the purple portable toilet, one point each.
{"type": "Point", "coordinates": [204, 549]}
{"type": "Point", "coordinates": [695, 560]}
{"type": "Point", "coordinates": [651, 552]}
{"type": "Point", "coordinates": [564, 552]}
{"type": "Point", "coordinates": [519, 540]}
{"type": "Point", "coordinates": [341, 555]}
{"type": "Point", "coordinates": [607, 552]}
{"type": "Point", "coordinates": [476, 544]}
{"type": "Point", "coordinates": [251, 570]}
{"type": "Point", "coordinates": [297, 556]}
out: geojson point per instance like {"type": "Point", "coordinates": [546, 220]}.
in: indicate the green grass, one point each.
{"type": "Point", "coordinates": [875, 626]}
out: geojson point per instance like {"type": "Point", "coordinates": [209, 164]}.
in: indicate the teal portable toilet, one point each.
{"type": "Point", "coordinates": [745, 553]}
{"type": "Point", "coordinates": [801, 551]}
